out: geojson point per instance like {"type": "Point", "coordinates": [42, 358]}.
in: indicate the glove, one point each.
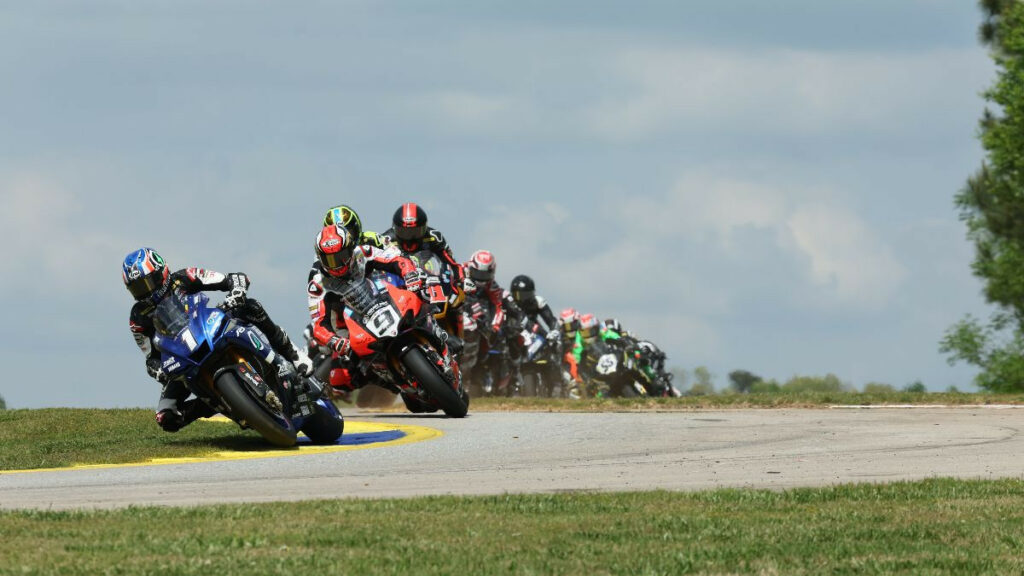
{"type": "Point", "coordinates": [236, 297]}
{"type": "Point", "coordinates": [160, 376]}
{"type": "Point", "coordinates": [554, 336]}
{"type": "Point", "coordinates": [339, 345]}
{"type": "Point", "coordinates": [414, 280]}
{"type": "Point", "coordinates": [170, 420]}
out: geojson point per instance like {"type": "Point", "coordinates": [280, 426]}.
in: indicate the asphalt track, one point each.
{"type": "Point", "coordinates": [494, 453]}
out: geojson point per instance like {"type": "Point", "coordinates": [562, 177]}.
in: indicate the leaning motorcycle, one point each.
{"type": "Point", "coordinates": [540, 368]}
{"type": "Point", "coordinates": [230, 365]}
{"type": "Point", "coordinates": [614, 371]}
{"type": "Point", "coordinates": [397, 342]}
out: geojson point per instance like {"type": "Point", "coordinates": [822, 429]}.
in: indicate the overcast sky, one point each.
{"type": "Point", "coordinates": [765, 186]}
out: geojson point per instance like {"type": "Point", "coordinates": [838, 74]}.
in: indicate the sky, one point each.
{"type": "Point", "coordinates": [751, 185]}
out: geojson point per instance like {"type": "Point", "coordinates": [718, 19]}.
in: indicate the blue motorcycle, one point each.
{"type": "Point", "coordinates": [230, 365]}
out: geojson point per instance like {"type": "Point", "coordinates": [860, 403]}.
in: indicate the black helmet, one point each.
{"type": "Point", "coordinates": [410, 225]}
{"type": "Point", "coordinates": [523, 290]}
{"type": "Point", "coordinates": [614, 325]}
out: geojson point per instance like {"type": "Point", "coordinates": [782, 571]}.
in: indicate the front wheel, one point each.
{"type": "Point", "coordinates": [246, 410]}
{"type": "Point", "coordinates": [436, 387]}
{"type": "Point", "coordinates": [325, 426]}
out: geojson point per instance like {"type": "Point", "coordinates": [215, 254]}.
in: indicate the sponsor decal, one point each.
{"type": "Point", "coordinates": [315, 289]}
{"type": "Point", "coordinates": [135, 327]}
{"type": "Point", "coordinates": [331, 243]}
{"type": "Point", "coordinates": [135, 274]}
{"type": "Point", "coordinates": [255, 341]}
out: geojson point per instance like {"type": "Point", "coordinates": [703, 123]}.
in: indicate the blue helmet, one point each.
{"type": "Point", "coordinates": [143, 272]}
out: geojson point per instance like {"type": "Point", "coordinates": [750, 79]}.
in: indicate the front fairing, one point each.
{"type": "Point", "coordinates": [206, 328]}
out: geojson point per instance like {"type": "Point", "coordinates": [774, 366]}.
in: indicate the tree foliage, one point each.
{"type": "Point", "coordinates": [991, 204]}
{"type": "Point", "coordinates": [703, 382]}
{"type": "Point", "coordinates": [743, 381]}
{"type": "Point", "coordinates": [3, 404]}
{"type": "Point", "coordinates": [827, 383]}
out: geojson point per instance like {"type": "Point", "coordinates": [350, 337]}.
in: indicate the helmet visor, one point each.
{"type": "Point", "coordinates": [338, 261]}
{"type": "Point", "coordinates": [143, 287]}
{"type": "Point", "coordinates": [478, 275]}
{"type": "Point", "coordinates": [524, 295]}
{"type": "Point", "coordinates": [410, 233]}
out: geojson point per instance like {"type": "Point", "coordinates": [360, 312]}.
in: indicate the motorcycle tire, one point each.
{"type": "Point", "coordinates": [530, 385]}
{"type": "Point", "coordinates": [246, 409]}
{"type": "Point", "coordinates": [323, 427]}
{"type": "Point", "coordinates": [427, 375]}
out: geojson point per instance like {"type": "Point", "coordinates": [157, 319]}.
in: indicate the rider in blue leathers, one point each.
{"type": "Point", "coordinates": [148, 279]}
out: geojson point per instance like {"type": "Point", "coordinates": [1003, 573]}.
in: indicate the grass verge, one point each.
{"type": "Point", "coordinates": [61, 437]}
{"type": "Point", "coordinates": [930, 527]}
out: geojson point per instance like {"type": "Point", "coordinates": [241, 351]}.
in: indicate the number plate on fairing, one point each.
{"type": "Point", "coordinates": [383, 323]}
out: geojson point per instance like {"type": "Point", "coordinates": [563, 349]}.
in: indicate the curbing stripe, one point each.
{"type": "Point", "coordinates": [376, 435]}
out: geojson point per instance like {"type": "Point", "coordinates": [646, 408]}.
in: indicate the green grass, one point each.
{"type": "Point", "coordinates": [931, 527]}
{"type": "Point", "coordinates": [724, 401]}
{"type": "Point", "coordinates": [60, 437]}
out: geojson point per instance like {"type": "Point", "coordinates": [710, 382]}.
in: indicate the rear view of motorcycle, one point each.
{"type": "Point", "coordinates": [231, 366]}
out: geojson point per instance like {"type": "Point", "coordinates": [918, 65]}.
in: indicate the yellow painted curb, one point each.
{"type": "Point", "coordinates": [412, 434]}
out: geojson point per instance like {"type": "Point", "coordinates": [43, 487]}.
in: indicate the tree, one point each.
{"type": "Point", "coordinates": [3, 404]}
{"type": "Point", "coordinates": [991, 204]}
{"type": "Point", "coordinates": [827, 383]}
{"type": "Point", "coordinates": [743, 381]}
{"type": "Point", "coordinates": [916, 386]}
{"type": "Point", "coordinates": [878, 388]}
{"type": "Point", "coordinates": [703, 382]}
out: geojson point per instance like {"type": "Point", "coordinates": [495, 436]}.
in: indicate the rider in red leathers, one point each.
{"type": "Point", "coordinates": [339, 260]}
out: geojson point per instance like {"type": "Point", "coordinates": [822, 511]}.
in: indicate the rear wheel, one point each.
{"type": "Point", "coordinates": [324, 426]}
{"type": "Point", "coordinates": [246, 409]}
{"type": "Point", "coordinates": [427, 375]}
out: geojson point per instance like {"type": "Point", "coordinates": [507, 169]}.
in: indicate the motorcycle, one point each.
{"type": "Point", "coordinates": [614, 371]}
{"type": "Point", "coordinates": [440, 289]}
{"type": "Point", "coordinates": [396, 341]}
{"type": "Point", "coordinates": [540, 372]}
{"type": "Point", "coordinates": [230, 365]}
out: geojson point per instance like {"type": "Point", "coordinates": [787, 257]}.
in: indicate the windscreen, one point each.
{"type": "Point", "coordinates": [170, 317]}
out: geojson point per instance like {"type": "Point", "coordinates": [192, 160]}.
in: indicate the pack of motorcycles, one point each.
{"type": "Point", "coordinates": [516, 359]}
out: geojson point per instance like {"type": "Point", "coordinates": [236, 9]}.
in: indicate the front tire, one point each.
{"type": "Point", "coordinates": [324, 427]}
{"type": "Point", "coordinates": [428, 377]}
{"type": "Point", "coordinates": [246, 409]}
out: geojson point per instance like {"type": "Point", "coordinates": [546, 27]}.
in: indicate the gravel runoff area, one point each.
{"type": "Point", "coordinates": [494, 453]}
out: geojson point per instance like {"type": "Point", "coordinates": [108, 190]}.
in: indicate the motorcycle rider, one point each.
{"type": "Point", "coordinates": [538, 319]}
{"type": "Point", "coordinates": [488, 300]}
{"type": "Point", "coordinates": [569, 320]}
{"type": "Point", "coordinates": [536, 309]}
{"type": "Point", "coordinates": [340, 262]}
{"type": "Point", "coordinates": [347, 217]}
{"type": "Point", "coordinates": [148, 279]}
{"type": "Point", "coordinates": [410, 233]}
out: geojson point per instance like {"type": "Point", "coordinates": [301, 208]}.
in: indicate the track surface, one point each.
{"type": "Point", "coordinates": [494, 453]}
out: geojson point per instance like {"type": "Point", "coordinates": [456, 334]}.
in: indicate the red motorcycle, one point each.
{"type": "Point", "coordinates": [395, 337]}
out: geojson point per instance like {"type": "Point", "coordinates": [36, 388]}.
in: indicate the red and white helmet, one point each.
{"type": "Point", "coordinates": [481, 267]}
{"type": "Point", "coordinates": [338, 252]}
{"type": "Point", "coordinates": [589, 326]}
{"type": "Point", "coordinates": [569, 320]}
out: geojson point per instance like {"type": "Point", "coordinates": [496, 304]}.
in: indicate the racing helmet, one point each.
{"type": "Point", "coordinates": [410, 225]}
{"type": "Point", "coordinates": [338, 253]}
{"type": "Point", "coordinates": [524, 292]}
{"type": "Point", "coordinates": [347, 217]}
{"type": "Point", "coordinates": [614, 325]}
{"type": "Point", "coordinates": [590, 328]}
{"type": "Point", "coordinates": [569, 321]}
{"type": "Point", "coordinates": [481, 267]}
{"type": "Point", "coordinates": [144, 272]}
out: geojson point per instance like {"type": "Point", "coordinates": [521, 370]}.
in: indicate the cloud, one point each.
{"type": "Point", "coordinates": [780, 90]}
